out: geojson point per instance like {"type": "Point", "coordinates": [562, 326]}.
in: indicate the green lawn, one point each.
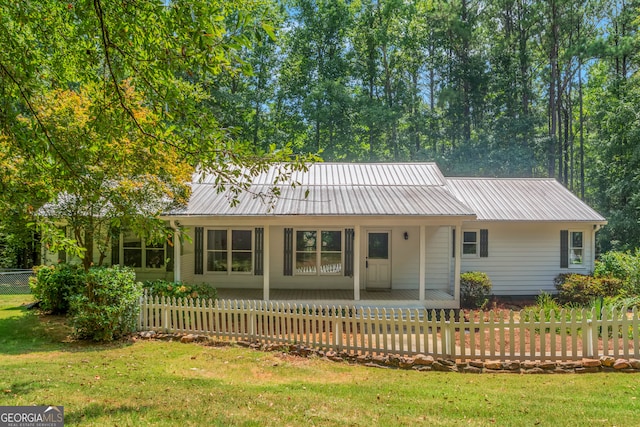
{"type": "Point", "coordinates": [165, 383]}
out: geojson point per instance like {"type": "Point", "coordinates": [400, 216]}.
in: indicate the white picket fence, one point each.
{"type": "Point", "coordinates": [570, 335]}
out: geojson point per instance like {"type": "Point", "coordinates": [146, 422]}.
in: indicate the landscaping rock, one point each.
{"type": "Point", "coordinates": [446, 362]}
{"type": "Point", "coordinates": [607, 361]}
{"type": "Point", "coordinates": [635, 363]}
{"type": "Point", "coordinates": [363, 358]}
{"type": "Point", "coordinates": [406, 362]}
{"type": "Point", "coordinates": [423, 360]}
{"type": "Point", "coordinates": [569, 366]}
{"type": "Point", "coordinates": [512, 366]}
{"type": "Point", "coordinates": [535, 370]}
{"type": "Point", "coordinates": [187, 339]}
{"type": "Point", "coordinates": [587, 370]}
{"type": "Point", "coordinates": [394, 359]}
{"type": "Point", "coordinates": [590, 363]}
{"type": "Point", "coordinates": [381, 360]}
{"type": "Point", "coordinates": [470, 370]}
{"type": "Point", "coordinates": [476, 363]}
{"type": "Point", "coordinates": [621, 364]}
{"type": "Point", "coordinates": [547, 365]}
{"type": "Point", "coordinates": [493, 365]}
{"type": "Point", "coordinates": [441, 367]}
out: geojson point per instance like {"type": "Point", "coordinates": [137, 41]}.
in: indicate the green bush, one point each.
{"type": "Point", "coordinates": [109, 306]}
{"type": "Point", "coordinates": [545, 304]}
{"type": "Point", "coordinates": [620, 265]}
{"type": "Point", "coordinates": [581, 289]}
{"type": "Point", "coordinates": [475, 289]}
{"type": "Point", "coordinates": [163, 288]}
{"type": "Point", "coordinates": [55, 285]}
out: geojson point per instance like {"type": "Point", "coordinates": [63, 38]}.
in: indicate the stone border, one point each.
{"type": "Point", "coordinates": [421, 362]}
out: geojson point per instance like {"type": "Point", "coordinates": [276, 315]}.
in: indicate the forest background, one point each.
{"type": "Point", "coordinates": [504, 88]}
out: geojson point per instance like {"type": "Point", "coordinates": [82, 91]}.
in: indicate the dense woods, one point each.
{"type": "Point", "coordinates": [506, 88]}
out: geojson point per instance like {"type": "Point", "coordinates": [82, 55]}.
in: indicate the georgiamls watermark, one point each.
{"type": "Point", "coordinates": [31, 416]}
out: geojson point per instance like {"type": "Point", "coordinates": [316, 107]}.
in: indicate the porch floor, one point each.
{"type": "Point", "coordinates": [391, 298]}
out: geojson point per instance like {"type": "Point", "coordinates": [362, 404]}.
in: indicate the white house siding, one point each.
{"type": "Point", "coordinates": [439, 263]}
{"type": "Point", "coordinates": [524, 258]}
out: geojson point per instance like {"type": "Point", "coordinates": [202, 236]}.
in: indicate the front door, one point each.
{"type": "Point", "coordinates": [378, 263]}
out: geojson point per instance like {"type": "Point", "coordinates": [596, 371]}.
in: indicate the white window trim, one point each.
{"type": "Point", "coordinates": [143, 256]}
{"type": "Point", "coordinates": [318, 251]}
{"type": "Point", "coordinates": [477, 243]}
{"type": "Point", "coordinates": [229, 251]}
{"type": "Point", "coordinates": [570, 248]}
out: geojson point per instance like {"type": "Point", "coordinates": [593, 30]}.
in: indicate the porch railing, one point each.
{"type": "Point", "coordinates": [569, 335]}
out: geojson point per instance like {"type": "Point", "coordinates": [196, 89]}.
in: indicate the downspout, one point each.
{"type": "Point", "coordinates": [176, 250]}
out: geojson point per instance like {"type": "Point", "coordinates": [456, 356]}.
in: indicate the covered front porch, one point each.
{"type": "Point", "coordinates": [375, 262]}
{"type": "Point", "coordinates": [395, 298]}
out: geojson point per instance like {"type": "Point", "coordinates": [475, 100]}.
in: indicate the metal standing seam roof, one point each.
{"type": "Point", "coordinates": [525, 199]}
{"type": "Point", "coordinates": [364, 189]}
{"type": "Point", "coordinates": [404, 189]}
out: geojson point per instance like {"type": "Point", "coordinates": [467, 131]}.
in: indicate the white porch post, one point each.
{"type": "Point", "coordinates": [423, 262]}
{"type": "Point", "coordinates": [266, 269]}
{"type": "Point", "coordinates": [456, 273]}
{"type": "Point", "coordinates": [177, 250]}
{"type": "Point", "coordinates": [356, 263]}
{"type": "Point", "coordinates": [177, 262]}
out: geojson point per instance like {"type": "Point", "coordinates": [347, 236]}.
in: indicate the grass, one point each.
{"type": "Point", "coordinates": [168, 383]}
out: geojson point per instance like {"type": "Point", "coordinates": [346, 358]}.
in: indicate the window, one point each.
{"type": "Point", "coordinates": [318, 256]}
{"type": "Point", "coordinates": [470, 243]}
{"type": "Point", "coordinates": [575, 248]}
{"type": "Point", "coordinates": [138, 254]}
{"type": "Point", "coordinates": [230, 251]}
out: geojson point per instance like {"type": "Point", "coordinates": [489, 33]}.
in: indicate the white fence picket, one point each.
{"type": "Point", "coordinates": [566, 336]}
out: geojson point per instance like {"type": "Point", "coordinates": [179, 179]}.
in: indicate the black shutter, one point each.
{"type": "Point", "coordinates": [288, 252]}
{"type": "Point", "coordinates": [199, 251]}
{"type": "Point", "coordinates": [259, 252]}
{"type": "Point", "coordinates": [564, 248]}
{"type": "Point", "coordinates": [484, 243]}
{"type": "Point", "coordinates": [115, 246]}
{"type": "Point", "coordinates": [453, 242]}
{"type": "Point", "coordinates": [171, 252]}
{"type": "Point", "coordinates": [349, 239]}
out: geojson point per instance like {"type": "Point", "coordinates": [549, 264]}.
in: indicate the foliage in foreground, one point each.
{"type": "Point", "coordinates": [581, 289]}
{"type": "Point", "coordinates": [475, 289]}
{"type": "Point", "coordinates": [164, 288]}
{"type": "Point", "coordinates": [56, 285]}
{"type": "Point", "coordinates": [108, 307]}
{"type": "Point", "coordinates": [624, 266]}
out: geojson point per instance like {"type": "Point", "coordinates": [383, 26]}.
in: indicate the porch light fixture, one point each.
{"type": "Point", "coordinates": [406, 236]}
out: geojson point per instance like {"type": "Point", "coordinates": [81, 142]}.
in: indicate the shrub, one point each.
{"type": "Point", "coordinates": [475, 288]}
{"type": "Point", "coordinates": [55, 286]}
{"type": "Point", "coordinates": [163, 288]}
{"type": "Point", "coordinates": [581, 289]}
{"type": "Point", "coordinates": [545, 304]}
{"type": "Point", "coordinates": [620, 265]}
{"type": "Point", "coordinates": [108, 308]}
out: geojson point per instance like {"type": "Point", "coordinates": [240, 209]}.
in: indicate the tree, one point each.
{"type": "Point", "coordinates": [135, 71]}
